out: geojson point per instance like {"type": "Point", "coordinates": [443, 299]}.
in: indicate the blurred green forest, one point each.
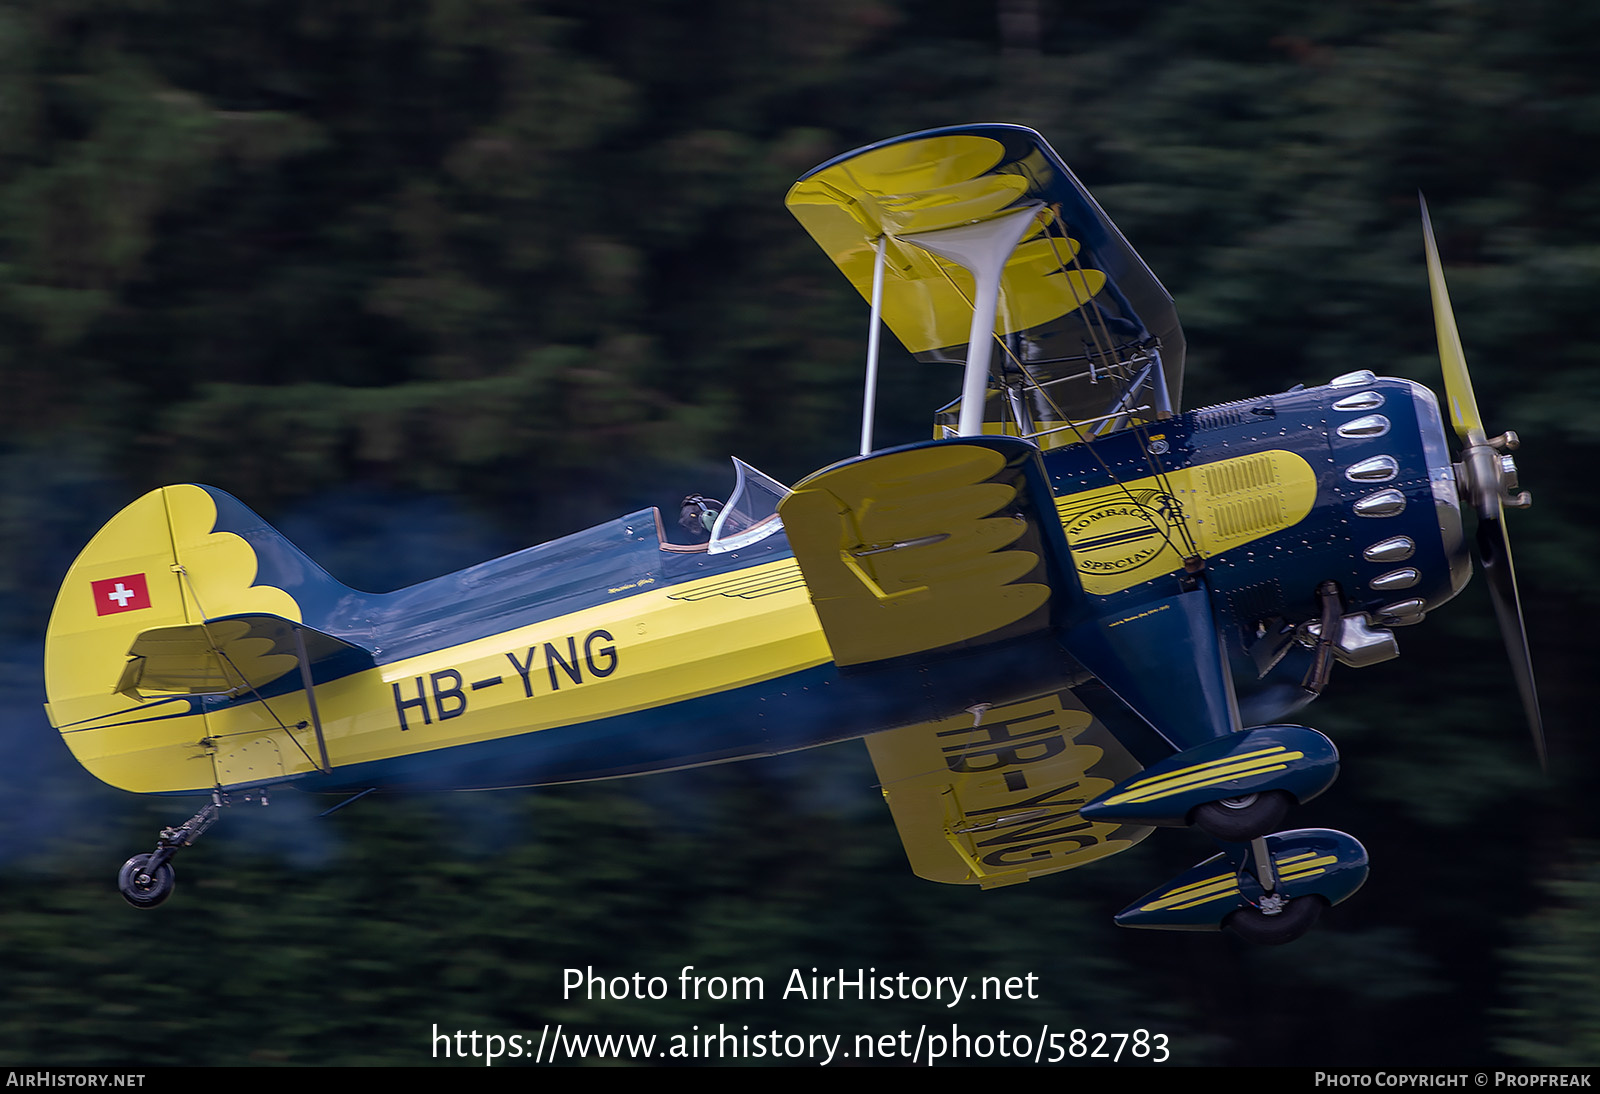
{"type": "Point", "coordinates": [426, 280]}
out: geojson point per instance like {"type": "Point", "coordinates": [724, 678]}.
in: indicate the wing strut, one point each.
{"type": "Point", "coordinates": [983, 248]}
{"type": "Point", "coordinates": [311, 696]}
{"type": "Point", "coordinates": [869, 400]}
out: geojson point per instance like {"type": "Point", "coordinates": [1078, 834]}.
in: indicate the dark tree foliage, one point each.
{"type": "Point", "coordinates": [426, 280]}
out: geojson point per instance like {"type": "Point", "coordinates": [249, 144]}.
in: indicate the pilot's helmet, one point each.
{"type": "Point", "coordinates": [698, 515]}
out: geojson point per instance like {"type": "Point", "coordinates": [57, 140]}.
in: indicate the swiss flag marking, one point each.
{"type": "Point", "coordinates": [120, 594]}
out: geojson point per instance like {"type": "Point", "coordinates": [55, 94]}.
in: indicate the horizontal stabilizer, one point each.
{"type": "Point", "coordinates": [229, 655]}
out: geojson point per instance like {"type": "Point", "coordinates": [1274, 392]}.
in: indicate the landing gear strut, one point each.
{"type": "Point", "coordinates": [147, 880]}
{"type": "Point", "coordinates": [1269, 916]}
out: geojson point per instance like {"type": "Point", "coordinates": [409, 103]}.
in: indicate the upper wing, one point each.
{"type": "Point", "coordinates": [1078, 307]}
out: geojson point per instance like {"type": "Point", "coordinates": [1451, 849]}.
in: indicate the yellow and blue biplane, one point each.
{"type": "Point", "coordinates": [1074, 615]}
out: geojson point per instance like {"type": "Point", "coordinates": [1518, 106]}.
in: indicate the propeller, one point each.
{"type": "Point", "coordinates": [1488, 477]}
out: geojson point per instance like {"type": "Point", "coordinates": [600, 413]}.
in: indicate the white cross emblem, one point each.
{"type": "Point", "coordinates": [121, 595]}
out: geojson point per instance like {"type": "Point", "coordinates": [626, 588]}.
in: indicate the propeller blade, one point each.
{"type": "Point", "coordinates": [1494, 550]}
{"type": "Point", "coordinates": [1486, 478]}
{"type": "Point", "coordinates": [1457, 383]}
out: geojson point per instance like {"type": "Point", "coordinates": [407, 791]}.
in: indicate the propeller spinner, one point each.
{"type": "Point", "coordinates": [1488, 477]}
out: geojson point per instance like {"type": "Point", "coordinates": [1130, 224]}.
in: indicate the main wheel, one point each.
{"type": "Point", "coordinates": [1298, 916]}
{"type": "Point", "coordinates": [1240, 820]}
{"type": "Point", "coordinates": [142, 889]}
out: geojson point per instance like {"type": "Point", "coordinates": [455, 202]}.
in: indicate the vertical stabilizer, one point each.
{"type": "Point", "coordinates": [180, 555]}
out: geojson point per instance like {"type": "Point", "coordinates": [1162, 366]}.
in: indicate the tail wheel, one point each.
{"type": "Point", "coordinates": [145, 888]}
{"type": "Point", "coordinates": [1297, 917]}
{"type": "Point", "coordinates": [1240, 820]}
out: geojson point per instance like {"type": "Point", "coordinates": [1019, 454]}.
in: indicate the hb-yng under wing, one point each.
{"type": "Point", "coordinates": [1074, 297]}
{"type": "Point", "coordinates": [993, 799]}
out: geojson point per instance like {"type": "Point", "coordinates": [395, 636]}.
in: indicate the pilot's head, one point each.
{"type": "Point", "coordinates": [698, 515]}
